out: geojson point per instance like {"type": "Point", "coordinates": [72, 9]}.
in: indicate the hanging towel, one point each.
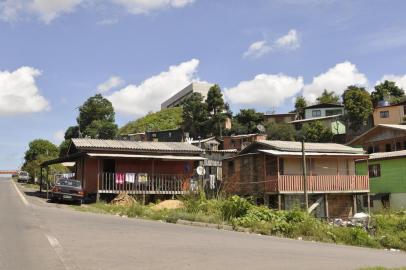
{"type": "Point", "coordinates": [130, 177]}
{"type": "Point", "coordinates": [120, 178]}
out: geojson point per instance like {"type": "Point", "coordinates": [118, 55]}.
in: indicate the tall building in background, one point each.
{"type": "Point", "coordinates": [194, 87]}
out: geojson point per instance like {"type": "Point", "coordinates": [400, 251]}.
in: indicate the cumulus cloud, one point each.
{"type": "Point", "coordinates": [19, 93]}
{"type": "Point", "coordinates": [257, 49]}
{"type": "Point", "coordinates": [335, 79]}
{"type": "Point", "coordinates": [290, 41]}
{"type": "Point", "coordinates": [111, 83]}
{"type": "Point", "coordinates": [400, 80]}
{"type": "Point", "coordinates": [140, 99]}
{"type": "Point", "coordinates": [147, 6]}
{"type": "Point", "coordinates": [265, 90]}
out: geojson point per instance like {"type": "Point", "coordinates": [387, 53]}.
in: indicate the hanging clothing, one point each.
{"type": "Point", "coordinates": [212, 181]}
{"type": "Point", "coordinates": [130, 177]}
{"type": "Point", "coordinates": [120, 178]}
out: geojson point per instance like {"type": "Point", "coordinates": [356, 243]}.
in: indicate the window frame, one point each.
{"type": "Point", "coordinates": [374, 170]}
{"type": "Point", "coordinates": [384, 114]}
{"type": "Point", "coordinates": [316, 113]}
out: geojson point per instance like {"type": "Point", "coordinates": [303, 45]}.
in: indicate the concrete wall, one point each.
{"type": "Point", "coordinates": [396, 114]}
{"type": "Point", "coordinates": [309, 114]}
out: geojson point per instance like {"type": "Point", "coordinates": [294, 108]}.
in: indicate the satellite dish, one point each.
{"type": "Point", "coordinates": [261, 128]}
{"type": "Point", "coordinates": [200, 170]}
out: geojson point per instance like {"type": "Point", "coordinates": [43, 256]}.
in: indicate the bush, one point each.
{"type": "Point", "coordinates": [234, 207]}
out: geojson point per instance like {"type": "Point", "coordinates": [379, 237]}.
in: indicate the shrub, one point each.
{"type": "Point", "coordinates": [234, 207]}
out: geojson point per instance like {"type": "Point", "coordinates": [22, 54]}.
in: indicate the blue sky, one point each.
{"type": "Point", "coordinates": [56, 54]}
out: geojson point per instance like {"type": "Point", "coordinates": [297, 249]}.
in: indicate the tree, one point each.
{"type": "Point", "coordinates": [72, 132]}
{"type": "Point", "coordinates": [328, 97]}
{"type": "Point", "coordinates": [195, 116]}
{"type": "Point", "coordinates": [300, 105]}
{"type": "Point", "coordinates": [216, 109]}
{"type": "Point", "coordinates": [97, 118]}
{"type": "Point", "coordinates": [358, 106]}
{"type": "Point", "coordinates": [388, 91]}
{"type": "Point", "coordinates": [64, 147]}
{"type": "Point", "coordinates": [315, 131]}
{"type": "Point", "coordinates": [246, 121]}
{"type": "Point", "coordinates": [281, 131]}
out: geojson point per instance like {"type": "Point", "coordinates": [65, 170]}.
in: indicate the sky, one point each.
{"type": "Point", "coordinates": [55, 54]}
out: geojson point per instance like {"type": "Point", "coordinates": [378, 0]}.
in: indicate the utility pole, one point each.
{"type": "Point", "coordinates": [306, 198]}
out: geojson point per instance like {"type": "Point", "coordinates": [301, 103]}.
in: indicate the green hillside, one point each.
{"type": "Point", "coordinates": [165, 119]}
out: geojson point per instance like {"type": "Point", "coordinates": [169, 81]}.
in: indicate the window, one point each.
{"type": "Point", "coordinates": [388, 147]}
{"type": "Point", "coordinates": [376, 149]}
{"type": "Point", "coordinates": [384, 114]}
{"type": "Point", "coordinates": [231, 168]}
{"type": "Point", "coordinates": [316, 113]}
{"type": "Point", "coordinates": [370, 150]}
{"type": "Point", "coordinates": [333, 112]}
{"type": "Point", "coordinates": [398, 146]}
{"type": "Point", "coordinates": [374, 170]}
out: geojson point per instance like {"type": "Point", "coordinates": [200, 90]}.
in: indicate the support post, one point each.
{"type": "Point", "coordinates": [306, 198]}
{"type": "Point", "coordinates": [369, 208]}
{"type": "Point", "coordinates": [40, 179]}
{"type": "Point", "coordinates": [46, 179]}
{"type": "Point", "coordinates": [279, 202]}
{"type": "Point", "coordinates": [326, 206]}
{"type": "Point", "coordinates": [98, 181]}
{"type": "Point", "coordinates": [354, 204]}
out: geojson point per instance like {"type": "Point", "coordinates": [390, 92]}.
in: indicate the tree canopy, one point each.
{"type": "Point", "coordinates": [328, 97]}
{"type": "Point", "coordinates": [281, 131]}
{"type": "Point", "coordinates": [246, 121]}
{"type": "Point", "coordinates": [316, 132]}
{"type": "Point", "coordinates": [300, 105]}
{"type": "Point", "coordinates": [195, 116]}
{"type": "Point", "coordinates": [388, 91]}
{"type": "Point", "coordinates": [216, 109]}
{"type": "Point", "coordinates": [358, 106]}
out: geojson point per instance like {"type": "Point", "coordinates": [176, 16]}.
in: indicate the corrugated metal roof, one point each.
{"type": "Point", "coordinates": [383, 155]}
{"type": "Point", "coordinates": [315, 119]}
{"type": "Point", "coordinates": [135, 146]}
{"type": "Point", "coordinates": [318, 154]}
{"type": "Point", "coordinates": [311, 147]}
{"type": "Point", "coordinates": [166, 157]}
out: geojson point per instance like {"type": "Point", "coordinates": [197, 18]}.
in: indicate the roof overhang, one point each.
{"type": "Point", "coordinates": [316, 119]}
{"type": "Point", "coordinates": [311, 154]}
{"type": "Point", "coordinates": [162, 157]}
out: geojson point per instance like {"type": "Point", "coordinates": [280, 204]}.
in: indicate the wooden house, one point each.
{"type": "Point", "coordinates": [272, 172]}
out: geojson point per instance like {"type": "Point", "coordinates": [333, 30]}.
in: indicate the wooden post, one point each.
{"type": "Point", "coordinates": [354, 204]}
{"type": "Point", "coordinates": [326, 205]}
{"type": "Point", "coordinates": [304, 177]}
{"type": "Point", "coordinates": [98, 181]}
{"type": "Point", "coordinates": [369, 208]}
{"type": "Point", "coordinates": [40, 179]}
{"type": "Point", "coordinates": [279, 202]}
{"type": "Point", "coordinates": [47, 176]}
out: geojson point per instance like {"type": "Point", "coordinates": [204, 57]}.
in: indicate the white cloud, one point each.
{"type": "Point", "coordinates": [257, 49]}
{"type": "Point", "coordinates": [147, 6]}
{"type": "Point", "coordinates": [59, 136]}
{"type": "Point", "coordinates": [19, 93]}
{"type": "Point", "coordinates": [265, 90]}
{"type": "Point", "coordinates": [336, 79]}
{"type": "Point", "coordinates": [107, 22]}
{"type": "Point", "coordinates": [48, 10]}
{"type": "Point", "coordinates": [140, 99]}
{"type": "Point", "coordinates": [400, 80]}
{"type": "Point", "coordinates": [9, 9]}
{"type": "Point", "coordinates": [288, 41]}
{"type": "Point", "coordinates": [111, 83]}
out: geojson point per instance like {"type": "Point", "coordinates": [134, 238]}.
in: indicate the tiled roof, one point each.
{"type": "Point", "coordinates": [179, 147]}
{"type": "Point", "coordinates": [311, 147]}
{"type": "Point", "coordinates": [383, 155]}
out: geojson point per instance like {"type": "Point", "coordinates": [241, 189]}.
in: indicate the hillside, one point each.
{"type": "Point", "coordinates": [165, 119]}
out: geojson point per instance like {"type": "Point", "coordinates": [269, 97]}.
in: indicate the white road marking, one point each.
{"type": "Point", "coordinates": [60, 252]}
{"type": "Point", "coordinates": [20, 194]}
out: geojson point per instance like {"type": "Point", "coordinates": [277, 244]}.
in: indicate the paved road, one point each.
{"type": "Point", "coordinates": [44, 236]}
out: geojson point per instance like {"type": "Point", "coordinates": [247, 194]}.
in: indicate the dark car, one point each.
{"type": "Point", "coordinates": [68, 190]}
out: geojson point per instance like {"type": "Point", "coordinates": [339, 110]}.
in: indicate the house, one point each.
{"type": "Point", "coordinates": [148, 168]}
{"type": "Point", "coordinates": [172, 135]}
{"type": "Point", "coordinates": [332, 122]}
{"type": "Point", "coordinates": [271, 171]}
{"type": "Point", "coordinates": [386, 113]}
{"type": "Point", "coordinates": [270, 118]}
{"type": "Point", "coordinates": [387, 174]}
{"type": "Point", "coordinates": [382, 138]}
{"type": "Point", "coordinates": [240, 141]}
{"type": "Point", "coordinates": [323, 109]}
{"type": "Point", "coordinates": [179, 97]}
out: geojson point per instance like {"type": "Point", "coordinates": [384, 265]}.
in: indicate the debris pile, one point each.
{"type": "Point", "coordinates": [123, 199]}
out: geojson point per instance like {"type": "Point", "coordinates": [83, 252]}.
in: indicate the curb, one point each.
{"type": "Point", "coordinates": [211, 225]}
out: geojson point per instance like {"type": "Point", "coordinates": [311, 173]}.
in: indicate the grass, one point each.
{"type": "Point", "coordinates": [387, 230]}
{"type": "Point", "coordinates": [31, 186]}
{"type": "Point", "coordinates": [382, 268]}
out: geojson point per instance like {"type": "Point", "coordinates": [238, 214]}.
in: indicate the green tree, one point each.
{"type": "Point", "coordinates": [246, 121]}
{"type": "Point", "coordinates": [216, 109]}
{"type": "Point", "coordinates": [300, 105]}
{"type": "Point", "coordinates": [358, 106]}
{"type": "Point", "coordinates": [195, 116]}
{"type": "Point", "coordinates": [281, 131]}
{"type": "Point", "coordinates": [97, 118]}
{"type": "Point", "coordinates": [388, 91]}
{"type": "Point", "coordinates": [328, 97]}
{"type": "Point", "coordinates": [64, 147]}
{"type": "Point", "coordinates": [72, 132]}
{"type": "Point", "coordinates": [315, 131]}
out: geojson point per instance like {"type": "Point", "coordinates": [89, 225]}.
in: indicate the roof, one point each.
{"type": "Point", "coordinates": [324, 105]}
{"type": "Point", "coordinates": [203, 140]}
{"type": "Point", "coordinates": [133, 146]}
{"type": "Point", "coordinates": [165, 157]}
{"type": "Point", "coordinates": [279, 114]}
{"type": "Point", "coordinates": [397, 127]}
{"type": "Point", "coordinates": [384, 155]}
{"type": "Point", "coordinates": [289, 146]}
{"type": "Point", "coordinates": [318, 154]}
{"type": "Point", "coordinates": [315, 119]}
{"type": "Point", "coordinates": [244, 135]}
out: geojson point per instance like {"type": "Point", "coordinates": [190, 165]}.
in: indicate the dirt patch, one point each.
{"type": "Point", "coordinates": [168, 204]}
{"type": "Point", "coordinates": [123, 199]}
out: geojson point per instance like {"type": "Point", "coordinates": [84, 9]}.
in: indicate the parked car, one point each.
{"type": "Point", "coordinates": [23, 177]}
{"type": "Point", "coordinates": [67, 190]}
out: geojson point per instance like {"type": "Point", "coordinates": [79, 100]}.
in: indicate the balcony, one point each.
{"type": "Point", "coordinates": [318, 184]}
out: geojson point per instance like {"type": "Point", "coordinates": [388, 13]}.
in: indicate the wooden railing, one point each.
{"type": "Point", "coordinates": [319, 183]}
{"type": "Point", "coordinates": [142, 183]}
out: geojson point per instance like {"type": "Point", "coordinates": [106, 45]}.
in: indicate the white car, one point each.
{"type": "Point", "coordinates": [23, 177]}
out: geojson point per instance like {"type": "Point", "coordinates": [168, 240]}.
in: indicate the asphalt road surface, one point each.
{"type": "Point", "coordinates": [39, 235]}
